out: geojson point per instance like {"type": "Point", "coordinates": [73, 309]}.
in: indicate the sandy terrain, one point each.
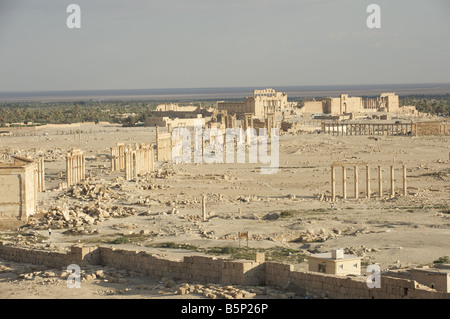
{"type": "Point", "coordinates": [396, 233]}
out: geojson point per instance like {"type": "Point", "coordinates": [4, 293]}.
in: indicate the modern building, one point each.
{"type": "Point", "coordinates": [437, 277]}
{"type": "Point", "coordinates": [335, 263]}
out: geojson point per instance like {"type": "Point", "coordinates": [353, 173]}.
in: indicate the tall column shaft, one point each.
{"type": "Point", "coordinates": [405, 189]}
{"type": "Point", "coordinates": [333, 183]}
{"type": "Point", "coordinates": [380, 181]}
{"type": "Point", "coordinates": [344, 182]}
{"type": "Point", "coordinates": [392, 181]}
{"type": "Point", "coordinates": [367, 181]}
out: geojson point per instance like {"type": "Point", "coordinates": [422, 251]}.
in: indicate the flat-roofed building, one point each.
{"type": "Point", "coordinates": [335, 263]}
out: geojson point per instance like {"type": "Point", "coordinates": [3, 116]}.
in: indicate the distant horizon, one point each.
{"type": "Point", "coordinates": [252, 87]}
{"type": "Point", "coordinates": [293, 91]}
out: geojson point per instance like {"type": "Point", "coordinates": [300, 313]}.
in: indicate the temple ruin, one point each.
{"type": "Point", "coordinates": [19, 184]}
{"type": "Point", "coordinates": [75, 167]}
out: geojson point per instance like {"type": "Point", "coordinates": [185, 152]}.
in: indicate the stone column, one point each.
{"type": "Point", "coordinates": [367, 181]}
{"type": "Point", "coordinates": [41, 174]}
{"type": "Point", "coordinates": [380, 181]}
{"type": "Point", "coordinates": [333, 183]}
{"type": "Point", "coordinates": [356, 181]}
{"type": "Point", "coordinates": [68, 170]}
{"type": "Point", "coordinates": [204, 207]}
{"type": "Point", "coordinates": [113, 159]}
{"type": "Point", "coordinates": [392, 182]}
{"type": "Point", "coordinates": [157, 142]}
{"type": "Point", "coordinates": [405, 190]}
{"type": "Point", "coordinates": [128, 164]}
{"type": "Point", "coordinates": [83, 166]}
{"type": "Point", "coordinates": [344, 182]}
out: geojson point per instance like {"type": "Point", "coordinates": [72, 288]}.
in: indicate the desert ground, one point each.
{"type": "Point", "coordinates": [287, 214]}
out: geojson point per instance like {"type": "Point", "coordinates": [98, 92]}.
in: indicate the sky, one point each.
{"type": "Point", "coordinates": [150, 44]}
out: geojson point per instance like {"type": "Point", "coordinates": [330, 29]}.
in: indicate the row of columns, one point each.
{"type": "Point", "coordinates": [163, 146]}
{"type": "Point", "coordinates": [75, 167]}
{"type": "Point", "coordinates": [139, 160]}
{"type": "Point", "coordinates": [367, 129]}
{"type": "Point", "coordinates": [40, 174]}
{"type": "Point", "coordinates": [356, 181]}
{"type": "Point", "coordinates": [118, 157]}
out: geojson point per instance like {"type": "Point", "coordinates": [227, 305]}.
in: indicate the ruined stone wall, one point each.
{"type": "Point", "coordinates": [313, 107]}
{"type": "Point", "coordinates": [18, 189]}
{"type": "Point", "coordinates": [37, 257]}
{"type": "Point", "coordinates": [203, 269]}
{"type": "Point", "coordinates": [332, 286]}
{"type": "Point", "coordinates": [430, 128]}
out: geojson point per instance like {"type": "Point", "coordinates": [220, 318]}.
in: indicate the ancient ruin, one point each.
{"type": "Point", "coordinates": [386, 102]}
{"type": "Point", "coordinates": [132, 212]}
{"type": "Point", "coordinates": [260, 104]}
{"type": "Point", "coordinates": [366, 166]}
{"type": "Point", "coordinates": [75, 167]}
{"type": "Point", "coordinates": [19, 184]}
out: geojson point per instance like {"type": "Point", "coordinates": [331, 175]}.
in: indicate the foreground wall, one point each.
{"type": "Point", "coordinates": [203, 269]}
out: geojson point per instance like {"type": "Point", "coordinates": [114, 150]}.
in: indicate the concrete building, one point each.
{"type": "Point", "coordinates": [436, 278]}
{"type": "Point", "coordinates": [18, 189]}
{"type": "Point", "coordinates": [335, 263]}
{"type": "Point", "coordinates": [261, 103]}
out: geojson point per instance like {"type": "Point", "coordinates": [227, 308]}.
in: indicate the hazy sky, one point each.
{"type": "Point", "coordinates": [143, 44]}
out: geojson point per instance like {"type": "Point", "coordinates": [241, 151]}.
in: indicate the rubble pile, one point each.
{"type": "Point", "coordinates": [151, 186]}
{"type": "Point", "coordinates": [91, 191]}
{"type": "Point", "coordinates": [164, 172]}
{"type": "Point", "coordinates": [359, 251]}
{"type": "Point", "coordinates": [76, 217]}
{"type": "Point", "coordinates": [312, 236]}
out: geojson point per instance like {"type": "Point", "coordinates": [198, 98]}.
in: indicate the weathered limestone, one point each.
{"type": "Point", "coordinates": [405, 189]}
{"type": "Point", "coordinates": [18, 189]}
{"type": "Point", "coordinates": [204, 215]}
{"type": "Point", "coordinates": [392, 182]}
{"type": "Point", "coordinates": [270, 123]}
{"type": "Point", "coordinates": [367, 128]}
{"type": "Point", "coordinates": [411, 129]}
{"type": "Point", "coordinates": [344, 182]}
{"type": "Point", "coordinates": [367, 181]}
{"type": "Point", "coordinates": [333, 183]}
{"type": "Point", "coordinates": [380, 181]}
{"type": "Point", "coordinates": [260, 104]}
{"type": "Point", "coordinates": [75, 167]}
{"type": "Point", "coordinates": [163, 146]}
{"type": "Point", "coordinates": [40, 174]}
{"type": "Point", "coordinates": [138, 160]}
{"type": "Point", "coordinates": [355, 166]}
{"type": "Point", "coordinates": [202, 269]}
{"type": "Point", "coordinates": [248, 121]}
{"type": "Point", "coordinates": [386, 102]}
{"type": "Point", "coordinates": [118, 157]}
